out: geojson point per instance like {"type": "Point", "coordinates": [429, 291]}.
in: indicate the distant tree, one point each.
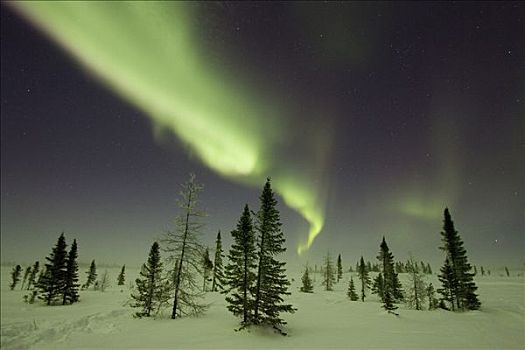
{"type": "Point", "coordinates": [339, 268]}
{"type": "Point", "coordinates": [328, 277]}
{"type": "Point", "coordinates": [351, 291]}
{"type": "Point", "coordinates": [32, 277]}
{"type": "Point", "coordinates": [507, 271]}
{"type": "Point", "coordinates": [416, 290]}
{"type": "Point", "coordinates": [239, 272]}
{"type": "Point", "coordinates": [15, 276]}
{"type": "Point", "coordinates": [377, 286]}
{"type": "Point", "coordinates": [350, 269]}
{"type": "Point", "coordinates": [475, 270]}
{"type": "Point", "coordinates": [391, 282]}
{"type": "Point", "coordinates": [482, 271]}
{"type": "Point", "coordinates": [70, 292]}
{"type": "Point", "coordinates": [429, 269]}
{"type": "Point", "coordinates": [363, 276]}
{"type": "Point", "coordinates": [207, 268]}
{"type": "Point", "coordinates": [432, 301]}
{"type": "Point", "coordinates": [315, 273]}
{"type": "Point", "coordinates": [184, 247]}
{"type": "Point", "coordinates": [272, 284]}
{"type": "Point", "coordinates": [26, 275]}
{"type": "Point", "coordinates": [104, 281]}
{"type": "Point", "coordinates": [488, 272]}
{"type": "Point", "coordinates": [121, 279]}
{"type": "Point", "coordinates": [149, 284]}
{"type": "Point", "coordinates": [53, 281]}
{"type": "Point", "coordinates": [307, 286]}
{"type": "Point", "coordinates": [462, 283]}
{"type": "Point", "coordinates": [92, 275]}
{"type": "Point", "coordinates": [218, 274]}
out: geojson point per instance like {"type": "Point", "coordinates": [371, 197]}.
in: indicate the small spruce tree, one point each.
{"type": "Point", "coordinates": [363, 276]}
{"type": "Point", "coordinates": [91, 275]}
{"type": "Point", "coordinates": [307, 286]}
{"type": "Point", "coordinates": [149, 284]}
{"type": "Point", "coordinates": [328, 276]}
{"type": "Point", "coordinates": [432, 301]}
{"type": "Point", "coordinates": [218, 274]}
{"type": "Point", "coordinates": [207, 269]}
{"type": "Point", "coordinates": [15, 276]}
{"type": "Point", "coordinates": [53, 281]}
{"type": "Point", "coordinates": [26, 275]}
{"type": "Point", "coordinates": [32, 277]}
{"type": "Point", "coordinates": [339, 268]}
{"type": "Point", "coordinates": [351, 291]}
{"type": "Point", "coordinates": [390, 279]}
{"type": "Point", "coordinates": [70, 292]}
{"type": "Point", "coordinates": [121, 279]}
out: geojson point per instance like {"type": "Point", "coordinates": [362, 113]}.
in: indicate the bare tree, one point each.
{"type": "Point", "coordinates": [104, 281]}
{"type": "Point", "coordinates": [184, 252]}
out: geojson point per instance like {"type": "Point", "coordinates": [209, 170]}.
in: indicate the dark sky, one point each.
{"type": "Point", "coordinates": [395, 110]}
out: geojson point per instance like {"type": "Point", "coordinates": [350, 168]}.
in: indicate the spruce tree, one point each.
{"type": "Point", "coordinates": [339, 268]}
{"type": "Point", "coordinates": [462, 284]}
{"type": "Point", "coordinates": [482, 271]}
{"type": "Point", "coordinates": [185, 250]}
{"type": "Point", "coordinates": [329, 273]}
{"type": "Point", "coordinates": [363, 276]}
{"type": "Point", "coordinates": [15, 276]}
{"type": "Point", "coordinates": [26, 275]}
{"type": "Point", "coordinates": [70, 292]}
{"type": "Point", "coordinates": [149, 284]}
{"type": "Point", "coordinates": [53, 281]}
{"type": "Point", "coordinates": [307, 286]}
{"type": "Point", "coordinates": [351, 291]}
{"type": "Point", "coordinates": [207, 268]}
{"type": "Point", "coordinates": [32, 277]}
{"type": "Point", "coordinates": [390, 279]}
{"type": "Point", "coordinates": [121, 279]}
{"type": "Point", "coordinates": [432, 301]}
{"type": "Point", "coordinates": [449, 285]}
{"type": "Point", "coordinates": [218, 274]}
{"type": "Point", "coordinates": [507, 271]}
{"type": "Point", "coordinates": [271, 283]}
{"type": "Point", "coordinates": [239, 275]}
{"type": "Point", "coordinates": [92, 275]}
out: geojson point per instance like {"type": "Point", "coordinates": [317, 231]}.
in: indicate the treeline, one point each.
{"type": "Point", "coordinates": [57, 283]}
{"type": "Point", "coordinates": [458, 289]}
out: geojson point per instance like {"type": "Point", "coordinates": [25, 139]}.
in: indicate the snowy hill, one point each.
{"type": "Point", "coordinates": [323, 320]}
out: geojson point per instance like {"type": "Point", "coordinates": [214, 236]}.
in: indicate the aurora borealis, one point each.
{"type": "Point", "coordinates": [369, 117]}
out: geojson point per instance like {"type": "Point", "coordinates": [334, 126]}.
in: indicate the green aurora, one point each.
{"type": "Point", "coordinates": [147, 53]}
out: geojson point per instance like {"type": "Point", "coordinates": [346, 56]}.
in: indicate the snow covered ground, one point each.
{"type": "Point", "coordinates": [324, 320]}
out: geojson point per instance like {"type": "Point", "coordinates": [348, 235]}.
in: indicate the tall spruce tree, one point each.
{"type": "Point", "coordinates": [185, 250]}
{"type": "Point", "coordinates": [149, 284]}
{"type": "Point", "coordinates": [121, 279]}
{"type": "Point", "coordinates": [32, 277]}
{"type": "Point", "coordinates": [207, 269]}
{"type": "Point", "coordinates": [363, 276]}
{"type": "Point", "coordinates": [329, 273]}
{"type": "Point", "coordinates": [52, 283]}
{"type": "Point", "coordinates": [351, 291]}
{"type": "Point", "coordinates": [462, 284]}
{"type": "Point", "coordinates": [70, 292]}
{"type": "Point", "coordinates": [91, 275]}
{"type": "Point", "coordinates": [26, 275]}
{"type": "Point", "coordinates": [391, 282]}
{"type": "Point", "coordinates": [271, 283]}
{"type": "Point", "coordinates": [307, 286]}
{"type": "Point", "coordinates": [339, 268]}
{"type": "Point", "coordinates": [218, 274]}
{"type": "Point", "coordinates": [15, 276]}
{"type": "Point", "coordinates": [239, 275]}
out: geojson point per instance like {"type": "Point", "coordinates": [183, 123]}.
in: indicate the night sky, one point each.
{"type": "Point", "coordinates": [370, 118]}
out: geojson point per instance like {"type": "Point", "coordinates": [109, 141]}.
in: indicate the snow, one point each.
{"type": "Point", "coordinates": [324, 320]}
